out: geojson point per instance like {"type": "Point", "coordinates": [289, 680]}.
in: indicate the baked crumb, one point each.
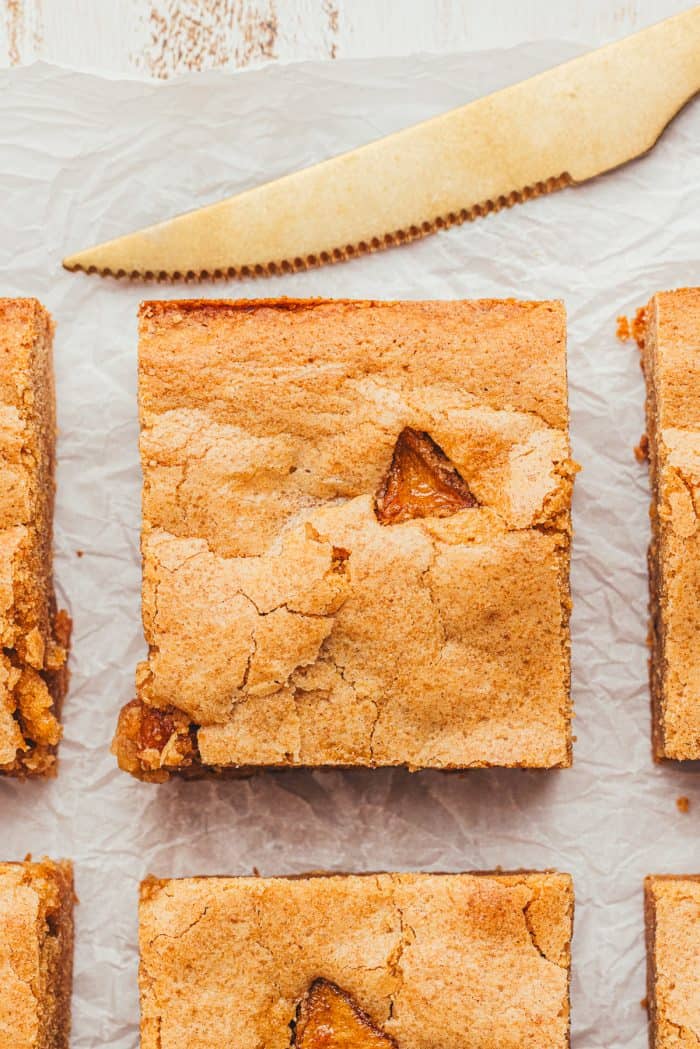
{"type": "Point", "coordinates": [634, 329]}
{"type": "Point", "coordinates": [623, 331]}
{"type": "Point", "coordinates": [639, 326]}
{"type": "Point", "coordinates": [683, 803]}
{"type": "Point", "coordinates": [641, 450]}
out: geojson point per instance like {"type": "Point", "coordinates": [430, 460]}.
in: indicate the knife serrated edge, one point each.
{"type": "Point", "coordinates": [278, 267]}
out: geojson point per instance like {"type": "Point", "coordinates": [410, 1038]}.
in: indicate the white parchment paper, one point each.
{"type": "Point", "coordinates": [83, 159]}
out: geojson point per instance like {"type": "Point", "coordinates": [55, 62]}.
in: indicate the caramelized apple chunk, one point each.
{"type": "Point", "coordinates": [328, 1018]}
{"type": "Point", "coordinates": [421, 482]}
{"type": "Point", "coordinates": [149, 740]}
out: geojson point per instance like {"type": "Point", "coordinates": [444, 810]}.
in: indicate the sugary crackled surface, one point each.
{"type": "Point", "coordinates": [34, 637]}
{"type": "Point", "coordinates": [436, 961]}
{"type": "Point", "coordinates": [282, 618]}
{"type": "Point", "coordinates": [33, 1012]}
{"type": "Point", "coordinates": [671, 356]}
{"type": "Point", "coordinates": [675, 913]}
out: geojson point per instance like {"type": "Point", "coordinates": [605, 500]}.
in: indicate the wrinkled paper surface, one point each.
{"type": "Point", "coordinates": [83, 159]}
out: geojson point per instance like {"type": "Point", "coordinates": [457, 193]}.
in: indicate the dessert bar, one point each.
{"type": "Point", "coordinates": [671, 360]}
{"type": "Point", "coordinates": [672, 913]}
{"type": "Point", "coordinates": [36, 954]}
{"type": "Point", "coordinates": [35, 636]}
{"type": "Point", "coordinates": [356, 533]}
{"type": "Point", "coordinates": [427, 961]}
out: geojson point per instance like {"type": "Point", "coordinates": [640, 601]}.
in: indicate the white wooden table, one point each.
{"type": "Point", "coordinates": [159, 38]}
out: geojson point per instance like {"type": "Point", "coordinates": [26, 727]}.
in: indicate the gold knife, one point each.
{"type": "Point", "coordinates": [561, 127]}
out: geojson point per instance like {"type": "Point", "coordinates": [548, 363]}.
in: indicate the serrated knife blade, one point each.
{"type": "Point", "coordinates": [562, 126]}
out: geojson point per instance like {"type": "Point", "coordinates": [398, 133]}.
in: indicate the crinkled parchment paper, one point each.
{"type": "Point", "coordinates": [83, 159]}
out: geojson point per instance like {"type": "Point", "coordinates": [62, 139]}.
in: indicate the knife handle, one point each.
{"type": "Point", "coordinates": [645, 80]}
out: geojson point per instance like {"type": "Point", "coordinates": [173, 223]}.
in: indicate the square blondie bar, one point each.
{"type": "Point", "coordinates": [36, 954]}
{"type": "Point", "coordinates": [35, 636]}
{"type": "Point", "coordinates": [672, 913]}
{"type": "Point", "coordinates": [356, 534]}
{"type": "Point", "coordinates": [430, 961]}
{"type": "Point", "coordinates": [671, 360]}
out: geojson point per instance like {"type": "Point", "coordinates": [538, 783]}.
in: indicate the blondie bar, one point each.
{"type": "Point", "coordinates": [35, 636]}
{"type": "Point", "coordinates": [356, 536]}
{"type": "Point", "coordinates": [36, 954]}
{"type": "Point", "coordinates": [672, 912]}
{"type": "Point", "coordinates": [671, 360]}
{"type": "Point", "coordinates": [426, 961]}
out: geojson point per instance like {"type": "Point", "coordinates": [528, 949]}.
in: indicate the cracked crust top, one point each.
{"type": "Point", "coordinates": [286, 622]}
{"type": "Point", "coordinates": [36, 945]}
{"type": "Point", "coordinates": [33, 675]}
{"type": "Point", "coordinates": [436, 961]}
{"type": "Point", "coordinates": [673, 943]}
{"type": "Point", "coordinates": [671, 356]}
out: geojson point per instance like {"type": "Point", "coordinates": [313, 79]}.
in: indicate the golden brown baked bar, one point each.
{"type": "Point", "coordinates": [672, 913]}
{"type": "Point", "coordinates": [36, 954]}
{"type": "Point", "coordinates": [671, 359]}
{"type": "Point", "coordinates": [33, 671]}
{"type": "Point", "coordinates": [356, 536]}
{"type": "Point", "coordinates": [426, 961]}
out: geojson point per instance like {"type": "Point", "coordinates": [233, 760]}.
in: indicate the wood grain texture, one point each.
{"type": "Point", "coordinates": [161, 38]}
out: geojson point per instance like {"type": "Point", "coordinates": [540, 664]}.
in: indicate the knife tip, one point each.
{"type": "Point", "coordinates": [75, 264]}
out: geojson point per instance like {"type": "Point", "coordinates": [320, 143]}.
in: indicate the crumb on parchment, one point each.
{"type": "Point", "coordinates": [632, 329]}
{"type": "Point", "coordinates": [623, 331]}
{"type": "Point", "coordinates": [641, 450]}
